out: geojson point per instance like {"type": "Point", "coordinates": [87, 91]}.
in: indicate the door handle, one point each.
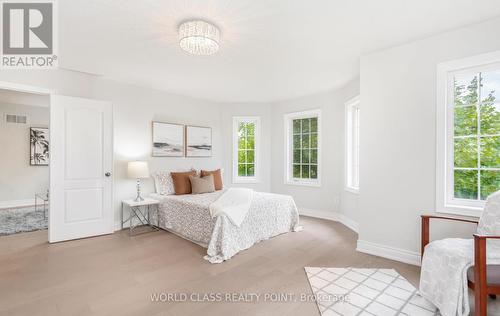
{"type": "Point", "coordinates": [107, 174]}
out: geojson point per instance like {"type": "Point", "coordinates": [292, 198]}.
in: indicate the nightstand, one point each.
{"type": "Point", "coordinates": [44, 197]}
{"type": "Point", "coordinates": [140, 213]}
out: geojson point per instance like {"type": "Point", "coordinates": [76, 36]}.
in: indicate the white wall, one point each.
{"type": "Point", "coordinates": [66, 82]}
{"type": "Point", "coordinates": [136, 107]}
{"type": "Point", "coordinates": [398, 133]}
{"type": "Point", "coordinates": [398, 102]}
{"type": "Point", "coordinates": [323, 200]}
{"type": "Point", "coordinates": [134, 110]}
{"type": "Point", "coordinates": [18, 179]}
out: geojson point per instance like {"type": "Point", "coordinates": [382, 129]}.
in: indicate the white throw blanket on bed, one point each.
{"type": "Point", "coordinates": [235, 203]}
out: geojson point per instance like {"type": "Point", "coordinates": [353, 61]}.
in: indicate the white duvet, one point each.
{"type": "Point", "coordinates": [190, 217]}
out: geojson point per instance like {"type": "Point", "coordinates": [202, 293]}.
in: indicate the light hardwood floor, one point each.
{"type": "Point", "coordinates": [116, 274]}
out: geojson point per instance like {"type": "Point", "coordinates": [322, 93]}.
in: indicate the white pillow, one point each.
{"type": "Point", "coordinates": [489, 223]}
{"type": "Point", "coordinates": [164, 184]}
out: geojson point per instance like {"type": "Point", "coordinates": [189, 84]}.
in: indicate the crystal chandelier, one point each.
{"type": "Point", "coordinates": [199, 37]}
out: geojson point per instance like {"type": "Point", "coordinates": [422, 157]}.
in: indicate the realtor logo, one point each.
{"type": "Point", "coordinates": [28, 30]}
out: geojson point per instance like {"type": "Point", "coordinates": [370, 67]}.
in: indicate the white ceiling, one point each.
{"type": "Point", "coordinates": [270, 50]}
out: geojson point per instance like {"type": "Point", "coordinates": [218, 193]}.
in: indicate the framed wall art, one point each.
{"type": "Point", "coordinates": [39, 146]}
{"type": "Point", "coordinates": [199, 141]}
{"type": "Point", "coordinates": [168, 140]}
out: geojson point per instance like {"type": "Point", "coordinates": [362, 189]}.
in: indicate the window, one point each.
{"type": "Point", "coordinates": [352, 145]}
{"type": "Point", "coordinates": [246, 134]}
{"type": "Point", "coordinates": [303, 148]}
{"type": "Point", "coordinates": [469, 148]}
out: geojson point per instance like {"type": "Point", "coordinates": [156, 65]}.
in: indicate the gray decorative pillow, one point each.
{"type": "Point", "coordinates": [202, 184]}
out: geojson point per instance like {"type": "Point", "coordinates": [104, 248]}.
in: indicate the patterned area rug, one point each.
{"type": "Point", "coordinates": [380, 292]}
{"type": "Point", "coordinates": [18, 220]}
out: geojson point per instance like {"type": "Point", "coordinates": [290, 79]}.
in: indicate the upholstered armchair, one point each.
{"type": "Point", "coordinates": [451, 265]}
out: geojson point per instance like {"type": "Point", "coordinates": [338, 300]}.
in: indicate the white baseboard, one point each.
{"type": "Point", "coordinates": [332, 216]}
{"type": "Point", "coordinates": [349, 222]}
{"type": "Point", "coordinates": [389, 252]}
{"type": "Point", "coordinates": [118, 225]}
{"type": "Point", "coordinates": [17, 203]}
{"type": "Point", "coordinates": [364, 246]}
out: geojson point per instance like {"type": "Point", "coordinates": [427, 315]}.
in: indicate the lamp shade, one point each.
{"type": "Point", "coordinates": [138, 169]}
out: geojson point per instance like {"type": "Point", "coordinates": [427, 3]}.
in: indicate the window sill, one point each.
{"type": "Point", "coordinates": [304, 183]}
{"type": "Point", "coordinates": [461, 210]}
{"type": "Point", "coordinates": [352, 190]}
{"type": "Point", "coordinates": [246, 181]}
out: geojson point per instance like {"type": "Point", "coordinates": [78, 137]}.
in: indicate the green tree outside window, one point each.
{"type": "Point", "coordinates": [305, 148]}
{"type": "Point", "coordinates": [246, 149]}
{"type": "Point", "coordinates": [476, 135]}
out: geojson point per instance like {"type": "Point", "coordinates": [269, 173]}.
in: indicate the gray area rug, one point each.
{"type": "Point", "coordinates": [380, 292]}
{"type": "Point", "coordinates": [18, 220]}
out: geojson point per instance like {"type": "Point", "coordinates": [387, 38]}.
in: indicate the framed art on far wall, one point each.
{"type": "Point", "coordinates": [168, 140]}
{"type": "Point", "coordinates": [39, 146]}
{"type": "Point", "coordinates": [199, 141]}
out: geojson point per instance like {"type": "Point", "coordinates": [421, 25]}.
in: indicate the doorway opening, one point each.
{"type": "Point", "coordinates": [25, 159]}
{"type": "Point", "coordinates": [79, 160]}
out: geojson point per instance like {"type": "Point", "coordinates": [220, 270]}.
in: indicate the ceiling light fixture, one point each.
{"type": "Point", "coordinates": [199, 37]}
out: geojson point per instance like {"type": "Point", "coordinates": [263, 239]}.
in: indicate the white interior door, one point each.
{"type": "Point", "coordinates": [81, 182]}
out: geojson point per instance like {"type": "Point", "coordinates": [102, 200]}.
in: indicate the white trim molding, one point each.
{"type": "Point", "coordinates": [349, 222]}
{"type": "Point", "coordinates": [332, 216]}
{"type": "Point", "coordinates": [388, 252]}
{"type": "Point", "coordinates": [17, 203]}
{"type": "Point", "coordinates": [25, 88]}
{"type": "Point", "coordinates": [257, 139]}
{"type": "Point", "coordinates": [446, 202]}
{"type": "Point", "coordinates": [288, 141]}
{"type": "Point", "coordinates": [364, 246]}
{"type": "Point", "coordinates": [351, 159]}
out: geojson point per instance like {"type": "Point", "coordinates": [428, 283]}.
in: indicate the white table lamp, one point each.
{"type": "Point", "coordinates": [138, 170]}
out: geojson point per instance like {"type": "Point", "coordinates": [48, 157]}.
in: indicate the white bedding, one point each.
{"type": "Point", "coordinates": [234, 203]}
{"type": "Point", "coordinates": [189, 217]}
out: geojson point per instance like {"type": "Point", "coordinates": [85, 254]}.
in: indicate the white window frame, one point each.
{"type": "Point", "coordinates": [288, 172]}
{"type": "Point", "coordinates": [352, 119]}
{"type": "Point", "coordinates": [445, 200]}
{"type": "Point", "coordinates": [236, 122]}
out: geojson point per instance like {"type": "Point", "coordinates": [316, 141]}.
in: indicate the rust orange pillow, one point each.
{"type": "Point", "coordinates": [217, 177]}
{"type": "Point", "coordinates": [182, 185]}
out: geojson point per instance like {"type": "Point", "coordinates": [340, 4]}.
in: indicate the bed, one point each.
{"type": "Point", "coordinates": [189, 217]}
